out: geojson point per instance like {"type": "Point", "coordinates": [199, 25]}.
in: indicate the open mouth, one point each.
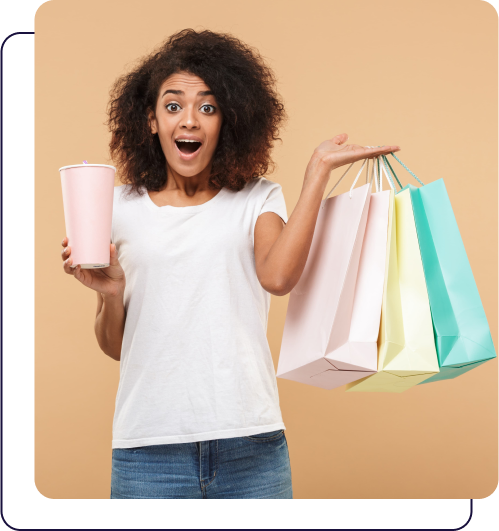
{"type": "Point", "coordinates": [187, 147]}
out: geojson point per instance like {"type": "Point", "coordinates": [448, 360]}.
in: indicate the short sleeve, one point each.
{"type": "Point", "coordinates": [274, 201]}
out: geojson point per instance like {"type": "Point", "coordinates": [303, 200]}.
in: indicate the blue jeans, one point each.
{"type": "Point", "coordinates": [240, 467]}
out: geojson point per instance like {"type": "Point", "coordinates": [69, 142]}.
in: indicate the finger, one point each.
{"type": "Point", "coordinates": [387, 148]}
{"type": "Point", "coordinates": [66, 265]}
{"type": "Point", "coordinates": [340, 139]}
{"type": "Point", "coordinates": [354, 153]}
{"type": "Point", "coordinates": [64, 241]}
{"type": "Point", "coordinates": [66, 253]}
{"type": "Point", "coordinates": [383, 150]}
{"type": "Point", "coordinates": [78, 274]}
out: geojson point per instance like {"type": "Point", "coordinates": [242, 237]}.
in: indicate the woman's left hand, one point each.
{"type": "Point", "coordinates": [333, 153]}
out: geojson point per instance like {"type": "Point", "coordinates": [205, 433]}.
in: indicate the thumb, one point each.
{"type": "Point", "coordinates": [113, 255]}
{"type": "Point", "coordinates": [340, 139]}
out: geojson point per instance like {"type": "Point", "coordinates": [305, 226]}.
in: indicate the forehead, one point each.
{"type": "Point", "coordinates": [184, 81]}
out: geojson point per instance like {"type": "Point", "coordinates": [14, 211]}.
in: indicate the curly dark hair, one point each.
{"type": "Point", "coordinates": [244, 87]}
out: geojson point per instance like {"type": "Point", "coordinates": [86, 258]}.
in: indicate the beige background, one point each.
{"type": "Point", "coordinates": [421, 74]}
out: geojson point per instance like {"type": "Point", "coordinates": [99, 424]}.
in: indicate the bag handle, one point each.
{"type": "Point", "coordinates": [358, 175]}
{"type": "Point", "coordinates": [378, 172]}
{"type": "Point", "coordinates": [354, 182]}
{"type": "Point", "coordinates": [390, 172]}
{"type": "Point", "coordinates": [339, 181]}
{"type": "Point", "coordinates": [379, 175]}
{"type": "Point", "coordinates": [388, 177]}
{"type": "Point", "coordinates": [379, 183]}
{"type": "Point", "coordinates": [385, 161]}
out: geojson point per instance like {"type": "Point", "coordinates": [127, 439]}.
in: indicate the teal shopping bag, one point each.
{"type": "Point", "coordinates": [462, 334]}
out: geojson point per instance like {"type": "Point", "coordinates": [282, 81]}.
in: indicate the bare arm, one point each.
{"type": "Point", "coordinates": [109, 284]}
{"type": "Point", "coordinates": [110, 324]}
{"type": "Point", "coordinates": [281, 251]}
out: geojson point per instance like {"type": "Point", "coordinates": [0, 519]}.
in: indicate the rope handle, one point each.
{"type": "Point", "coordinates": [358, 175]}
{"type": "Point", "coordinates": [382, 170]}
{"type": "Point", "coordinates": [355, 180]}
{"type": "Point", "coordinates": [377, 177]}
{"type": "Point", "coordinates": [376, 174]}
{"type": "Point", "coordinates": [385, 160]}
{"type": "Point", "coordinates": [379, 184]}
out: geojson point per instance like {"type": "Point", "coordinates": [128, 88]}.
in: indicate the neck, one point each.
{"type": "Point", "coordinates": [187, 185]}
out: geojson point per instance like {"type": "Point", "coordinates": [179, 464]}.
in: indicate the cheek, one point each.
{"type": "Point", "coordinates": [164, 140]}
{"type": "Point", "coordinates": [165, 122]}
{"type": "Point", "coordinates": [215, 135]}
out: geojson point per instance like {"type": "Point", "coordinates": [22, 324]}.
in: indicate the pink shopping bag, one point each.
{"type": "Point", "coordinates": [332, 322]}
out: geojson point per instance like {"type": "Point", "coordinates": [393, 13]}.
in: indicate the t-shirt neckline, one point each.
{"type": "Point", "coordinates": [185, 209]}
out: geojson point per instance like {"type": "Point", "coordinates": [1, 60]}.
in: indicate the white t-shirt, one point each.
{"type": "Point", "coordinates": [195, 361]}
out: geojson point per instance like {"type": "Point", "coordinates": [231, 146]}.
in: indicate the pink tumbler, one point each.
{"type": "Point", "coordinates": [87, 194]}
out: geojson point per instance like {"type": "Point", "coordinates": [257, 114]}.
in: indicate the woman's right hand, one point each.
{"type": "Point", "coordinates": [107, 280]}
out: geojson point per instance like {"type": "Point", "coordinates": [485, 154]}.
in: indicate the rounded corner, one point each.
{"type": "Point", "coordinates": [37, 11]}
{"type": "Point", "coordinates": [40, 492]}
{"type": "Point", "coordinates": [497, 13]}
{"type": "Point", "coordinates": [493, 492]}
{"type": "Point", "coordinates": [38, 8]}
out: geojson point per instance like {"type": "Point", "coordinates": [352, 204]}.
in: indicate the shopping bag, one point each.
{"type": "Point", "coordinates": [462, 335]}
{"type": "Point", "coordinates": [406, 349]}
{"type": "Point", "coordinates": [333, 314]}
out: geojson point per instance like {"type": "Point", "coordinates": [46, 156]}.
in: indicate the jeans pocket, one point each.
{"type": "Point", "coordinates": [267, 436]}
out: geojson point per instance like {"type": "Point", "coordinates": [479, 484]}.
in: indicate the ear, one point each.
{"type": "Point", "coordinates": [153, 124]}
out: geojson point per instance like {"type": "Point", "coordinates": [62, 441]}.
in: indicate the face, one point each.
{"type": "Point", "coordinates": [187, 110]}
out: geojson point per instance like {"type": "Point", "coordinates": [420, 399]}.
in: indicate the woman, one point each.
{"type": "Point", "coordinates": [200, 240]}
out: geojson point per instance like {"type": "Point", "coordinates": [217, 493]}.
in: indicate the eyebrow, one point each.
{"type": "Point", "coordinates": [181, 92]}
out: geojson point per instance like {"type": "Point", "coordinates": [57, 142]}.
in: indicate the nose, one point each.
{"type": "Point", "coordinates": [189, 119]}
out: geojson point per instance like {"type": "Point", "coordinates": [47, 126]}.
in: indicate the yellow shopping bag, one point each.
{"type": "Point", "coordinates": [406, 345]}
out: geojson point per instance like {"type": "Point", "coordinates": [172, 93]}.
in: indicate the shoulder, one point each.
{"type": "Point", "coordinates": [263, 183]}
{"type": "Point", "coordinates": [122, 195]}
{"type": "Point", "coordinates": [262, 187]}
{"type": "Point", "coordinates": [118, 190]}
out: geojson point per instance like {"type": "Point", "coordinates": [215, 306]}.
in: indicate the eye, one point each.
{"type": "Point", "coordinates": [174, 105]}
{"type": "Point", "coordinates": [212, 106]}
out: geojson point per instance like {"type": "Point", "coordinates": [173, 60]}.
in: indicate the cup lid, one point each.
{"type": "Point", "coordinates": [86, 165]}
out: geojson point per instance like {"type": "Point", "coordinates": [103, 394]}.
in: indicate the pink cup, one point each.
{"type": "Point", "coordinates": [87, 194]}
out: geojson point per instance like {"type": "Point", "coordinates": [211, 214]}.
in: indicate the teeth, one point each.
{"type": "Point", "coordinates": [186, 140]}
